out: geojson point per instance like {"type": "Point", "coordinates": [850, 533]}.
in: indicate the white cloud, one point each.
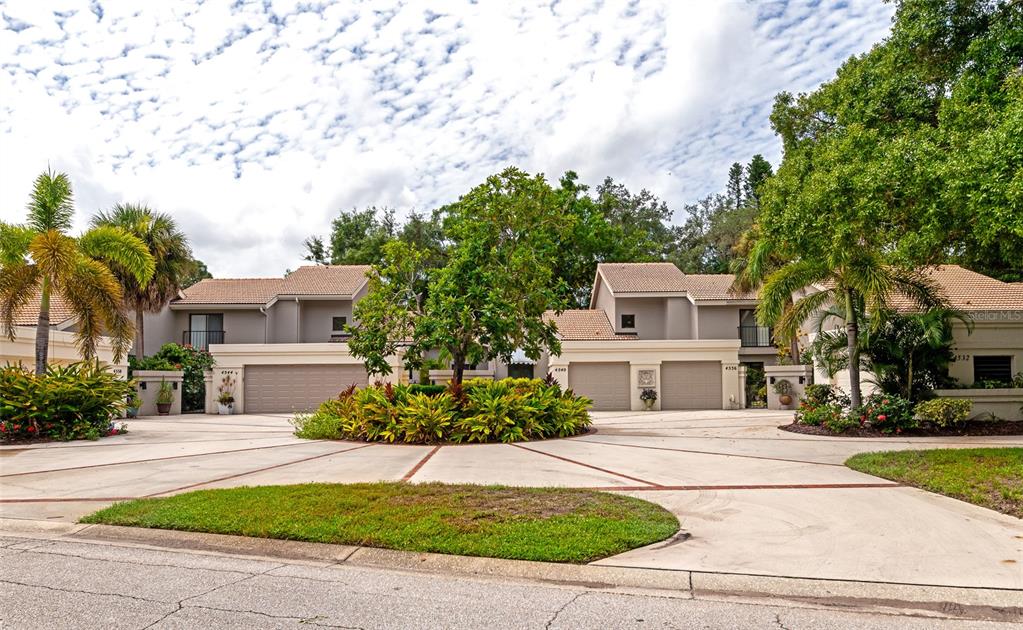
{"type": "Point", "coordinates": [253, 124]}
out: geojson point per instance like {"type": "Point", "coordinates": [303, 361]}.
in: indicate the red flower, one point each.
{"type": "Point", "coordinates": [882, 417]}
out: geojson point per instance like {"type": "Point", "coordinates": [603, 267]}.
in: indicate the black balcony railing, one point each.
{"type": "Point", "coordinates": [756, 336]}
{"type": "Point", "coordinates": [202, 339]}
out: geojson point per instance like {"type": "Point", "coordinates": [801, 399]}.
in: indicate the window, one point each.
{"type": "Point", "coordinates": [338, 324]}
{"type": "Point", "coordinates": [747, 317]}
{"type": "Point", "coordinates": [998, 368]}
{"type": "Point", "coordinates": [520, 370]}
{"type": "Point", "coordinates": [628, 321]}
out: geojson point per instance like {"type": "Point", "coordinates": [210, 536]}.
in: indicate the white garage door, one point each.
{"type": "Point", "coordinates": [281, 388]}
{"type": "Point", "coordinates": [606, 384]}
{"type": "Point", "coordinates": [691, 385]}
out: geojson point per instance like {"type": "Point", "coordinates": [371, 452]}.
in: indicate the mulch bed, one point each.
{"type": "Point", "coordinates": [972, 427]}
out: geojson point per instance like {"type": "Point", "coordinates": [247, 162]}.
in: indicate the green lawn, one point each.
{"type": "Point", "coordinates": [548, 524]}
{"type": "Point", "coordinates": [989, 477]}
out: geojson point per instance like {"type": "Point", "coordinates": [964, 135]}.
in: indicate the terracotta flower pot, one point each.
{"type": "Point", "coordinates": [785, 399]}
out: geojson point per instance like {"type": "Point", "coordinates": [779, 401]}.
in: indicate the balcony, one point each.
{"type": "Point", "coordinates": [201, 339]}
{"type": "Point", "coordinates": [756, 336]}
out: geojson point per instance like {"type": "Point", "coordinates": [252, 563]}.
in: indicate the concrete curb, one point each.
{"type": "Point", "coordinates": [892, 598]}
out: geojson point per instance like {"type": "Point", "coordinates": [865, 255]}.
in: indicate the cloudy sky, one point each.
{"type": "Point", "coordinates": [254, 122]}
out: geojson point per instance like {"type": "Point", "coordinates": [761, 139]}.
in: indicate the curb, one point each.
{"type": "Point", "coordinates": [990, 604]}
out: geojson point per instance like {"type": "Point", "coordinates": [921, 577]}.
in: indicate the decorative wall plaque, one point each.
{"type": "Point", "coordinates": [646, 378]}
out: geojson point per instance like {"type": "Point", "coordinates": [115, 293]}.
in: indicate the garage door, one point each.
{"type": "Point", "coordinates": [281, 388]}
{"type": "Point", "coordinates": [691, 385]}
{"type": "Point", "coordinates": [606, 384]}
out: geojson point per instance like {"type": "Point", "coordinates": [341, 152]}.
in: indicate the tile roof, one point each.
{"type": "Point", "coordinates": [340, 280]}
{"type": "Point", "coordinates": [326, 280]}
{"type": "Point", "coordinates": [232, 291]}
{"type": "Point", "coordinates": [971, 291]}
{"type": "Point", "coordinates": [655, 277]}
{"type": "Point", "coordinates": [28, 315]}
{"type": "Point", "coordinates": [714, 286]}
{"type": "Point", "coordinates": [665, 277]}
{"type": "Point", "coordinates": [585, 325]}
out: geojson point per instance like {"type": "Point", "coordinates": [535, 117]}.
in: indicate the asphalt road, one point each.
{"type": "Point", "coordinates": [70, 584]}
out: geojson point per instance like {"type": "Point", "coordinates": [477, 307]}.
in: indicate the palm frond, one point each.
{"type": "Point", "coordinates": [14, 242]}
{"type": "Point", "coordinates": [18, 285]}
{"type": "Point", "coordinates": [805, 309]}
{"type": "Point", "coordinates": [93, 294]}
{"type": "Point", "coordinates": [53, 253]}
{"type": "Point", "coordinates": [779, 287]}
{"type": "Point", "coordinates": [51, 203]}
{"type": "Point", "coordinates": [114, 245]}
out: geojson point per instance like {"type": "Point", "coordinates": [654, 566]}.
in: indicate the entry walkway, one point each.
{"type": "Point", "coordinates": [751, 499]}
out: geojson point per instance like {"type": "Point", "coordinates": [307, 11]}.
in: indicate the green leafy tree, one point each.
{"type": "Point", "coordinates": [40, 260]}
{"type": "Point", "coordinates": [735, 189]}
{"type": "Point", "coordinates": [197, 271]}
{"type": "Point", "coordinates": [918, 139]}
{"type": "Point", "coordinates": [385, 319]}
{"type": "Point", "coordinates": [357, 237]}
{"type": "Point", "coordinates": [488, 299]}
{"type": "Point", "coordinates": [754, 176]}
{"type": "Point", "coordinates": [171, 255]}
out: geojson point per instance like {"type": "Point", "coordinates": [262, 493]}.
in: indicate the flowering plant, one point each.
{"type": "Point", "coordinates": [648, 394]}
{"type": "Point", "coordinates": [888, 413]}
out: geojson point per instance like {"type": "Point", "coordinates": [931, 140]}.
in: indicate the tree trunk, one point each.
{"type": "Point", "coordinates": [457, 368]}
{"type": "Point", "coordinates": [852, 330]}
{"type": "Point", "coordinates": [140, 346]}
{"type": "Point", "coordinates": [43, 328]}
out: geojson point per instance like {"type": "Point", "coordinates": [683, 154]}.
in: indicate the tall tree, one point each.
{"type": "Point", "coordinates": [357, 237]}
{"type": "Point", "coordinates": [754, 176]}
{"type": "Point", "coordinates": [917, 138]}
{"type": "Point", "coordinates": [489, 298]}
{"type": "Point", "coordinates": [40, 259]}
{"type": "Point", "coordinates": [735, 189]}
{"type": "Point", "coordinates": [171, 255]}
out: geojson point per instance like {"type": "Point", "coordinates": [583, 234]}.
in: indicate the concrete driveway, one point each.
{"type": "Point", "coordinates": [752, 499]}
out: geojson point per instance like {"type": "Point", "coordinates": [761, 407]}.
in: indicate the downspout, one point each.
{"type": "Point", "coordinates": [298, 321]}
{"type": "Point", "coordinates": [266, 321]}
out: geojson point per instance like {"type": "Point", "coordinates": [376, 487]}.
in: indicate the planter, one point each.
{"type": "Point", "coordinates": [132, 412]}
{"type": "Point", "coordinates": [163, 409]}
{"type": "Point", "coordinates": [785, 399]}
{"type": "Point", "coordinates": [225, 410]}
{"type": "Point", "coordinates": [649, 404]}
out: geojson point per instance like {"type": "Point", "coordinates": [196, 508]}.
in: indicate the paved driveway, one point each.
{"type": "Point", "coordinates": [752, 499]}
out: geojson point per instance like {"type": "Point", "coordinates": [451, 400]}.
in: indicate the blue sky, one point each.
{"type": "Point", "coordinates": [254, 122]}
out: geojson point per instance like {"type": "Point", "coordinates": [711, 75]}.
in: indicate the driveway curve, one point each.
{"type": "Point", "coordinates": [751, 499]}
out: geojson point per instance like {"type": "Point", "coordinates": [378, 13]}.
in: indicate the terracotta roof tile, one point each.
{"type": "Point", "coordinates": [326, 280]}
{"type": "Point", "coordinates": [714, 286]}
{"type": "Point", "coordinates": [585, 325]}
{"type": "Point", "coordinates": [656, 277]}
{"type": "Point", "coordinates": [665, 277]}
{"type": "Point", "coordinates": [232, 291]}
{"type": "Point", "coordinates": [340, 280]}
{"type": "Point", "coordinates": [60, 312]}
{"type": "Point", "coordinates": [971, 291]}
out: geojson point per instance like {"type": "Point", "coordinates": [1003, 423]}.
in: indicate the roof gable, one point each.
{"type": "Point", "coordinates": [318, 280]}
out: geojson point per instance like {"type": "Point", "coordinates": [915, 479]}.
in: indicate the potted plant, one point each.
{"type": "Point", "coordinates": [132, 405]}
{"type": "Point", "coordinates": [225, 396]}
{"type": "Point", "coordinates": [649, 397]}
{"type": "Point", "coordinates": [784, 390]}
{"type": "Point", "coordinates": [164, 398]}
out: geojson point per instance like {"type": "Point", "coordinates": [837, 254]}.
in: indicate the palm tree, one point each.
{"type": "Point", "coordinates": [855, 281]}
{"type": "Point", "coordinates": [172, 258]}
{"type": "Point", "coordinates": [40, 259]}
{"type": "Point", "coordinates": [908, 353]}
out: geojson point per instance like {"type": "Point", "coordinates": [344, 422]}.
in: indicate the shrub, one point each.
{"type": "Point", "coordinates": [944, 412]}
{"type": "Point", "coordinates": [479, 410]}
{"type": "Point", "coordinates": [77, 401]}
{"type": "Point", "coordinates": [838, 421]}
{"type": "Point", "coordinates": [192, 361]}
{"type": "Point", "coordinates": [888, 413]}
{"type": "Point", "coordinates": [823, 394]}
{"type": "Point", "coordinates": [428, 390]}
